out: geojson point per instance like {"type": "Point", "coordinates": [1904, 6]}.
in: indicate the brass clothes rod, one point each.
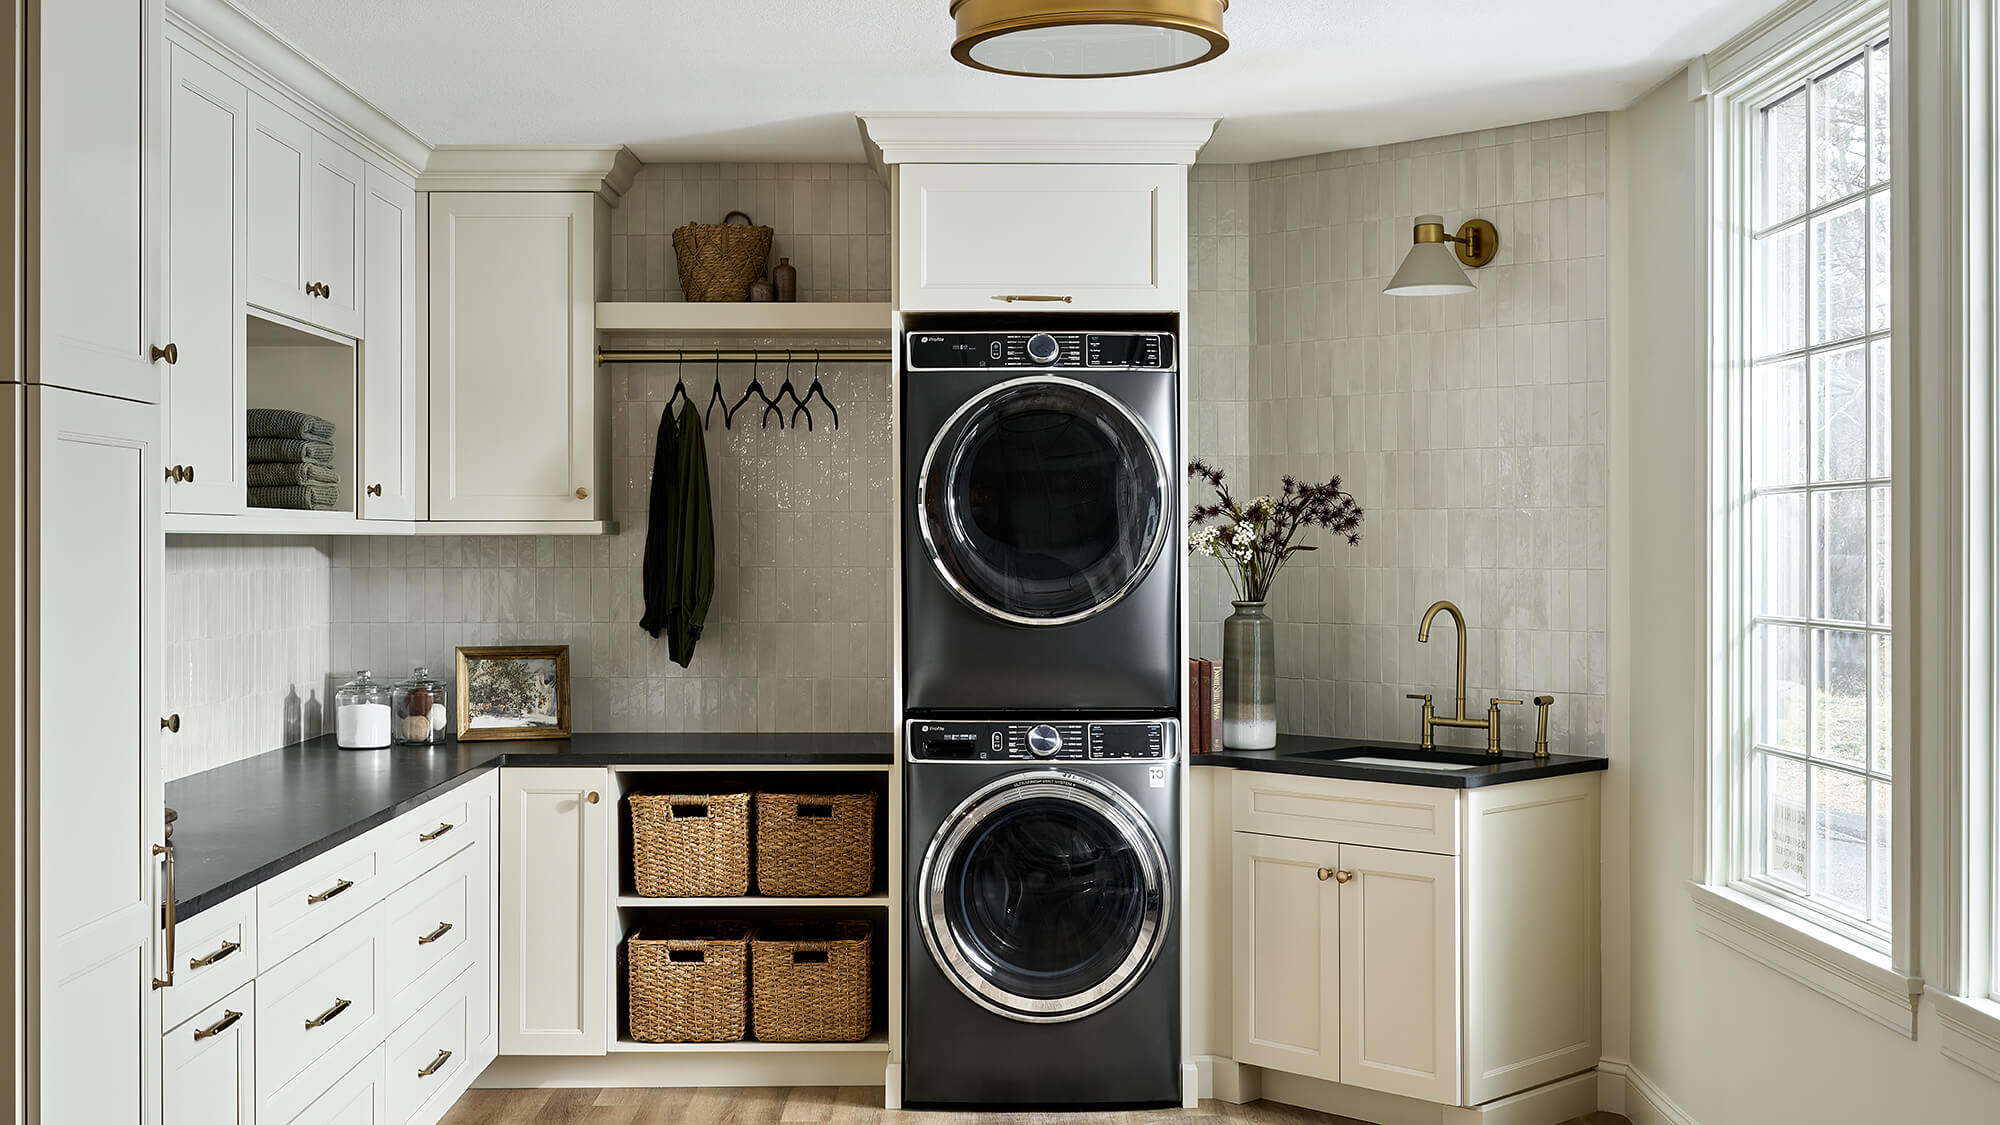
{"type": "Point", "coordinates": [742, 355]}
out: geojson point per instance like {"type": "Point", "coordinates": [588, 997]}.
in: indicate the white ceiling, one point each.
{"type": "Point", "coordinates": [781, 80]}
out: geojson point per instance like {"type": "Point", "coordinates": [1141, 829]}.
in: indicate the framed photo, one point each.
{"type": "Point", "coordinates": [513, 691]}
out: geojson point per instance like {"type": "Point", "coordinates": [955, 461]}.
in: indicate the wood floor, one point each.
{"type": "Point", "coordinates": [825, 1105]}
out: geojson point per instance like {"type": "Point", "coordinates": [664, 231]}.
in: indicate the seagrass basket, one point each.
{"type": "Point", "coordinates": [690, 845]}
{"type": "Point", "coordinates": [811, 844]}
{"type": "Point", "coordinates": [718, 261]}
{"type": "Point", "coordinates": [687, 982]}
{"type": "Point", "coordinates": [812, 982]}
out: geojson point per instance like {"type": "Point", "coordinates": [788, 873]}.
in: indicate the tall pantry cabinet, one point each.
{"type": "Point", "coordinates": [80, 525]}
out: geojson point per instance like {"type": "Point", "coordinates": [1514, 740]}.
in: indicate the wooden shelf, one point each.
{"type": "Point", "coordinates": [281, 521]}
{"type": "Point", "coordinates": [880, 900]}
{"type": "Point", "coordinates": [877, 1042]}
{"type": "Point", "coordinates": [764, 318]}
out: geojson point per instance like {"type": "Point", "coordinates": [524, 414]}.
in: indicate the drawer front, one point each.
{"type": "Point", "coordinates": [428, 922]}
{"type": "Point", "coordinates": [428, 835]}
{"type": "Point", "coordinates": [428, 1052]}
{"type": "Point", "coordinates": [206, 1071]}
{"type": "Point", "coordinates": [217, 953]}
{"type": "Point", "coordinates": [1408, 817]}
{"type": "Point", "coordinates": [357, 1098]}
{"type": "Point", "coordinates": [300, 906]}
{"type": "Point", "coordinates": [312, 1003]}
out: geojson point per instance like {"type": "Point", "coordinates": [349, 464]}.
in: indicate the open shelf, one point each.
{"type": "Point", "coordinates": [876, 1042]}
{"type": "Point", "coordinates": [762, 318]}
{"type": "Point", "coordinates": [282, 521]}
{"type": "Point", "coordinates": [750, 901]}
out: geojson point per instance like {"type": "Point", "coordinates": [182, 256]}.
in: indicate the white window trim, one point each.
{"type": "Point", "coordinates": [1734, 80]}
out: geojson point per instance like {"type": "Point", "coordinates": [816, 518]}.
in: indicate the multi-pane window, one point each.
{"type": "Point", "coordinates": [1812, 775]}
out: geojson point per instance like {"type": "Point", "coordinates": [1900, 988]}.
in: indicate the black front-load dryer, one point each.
{"type": "Point", "coordinates": [1042, 952]}
{"type": "Point", "coordinates": [1042, 503]}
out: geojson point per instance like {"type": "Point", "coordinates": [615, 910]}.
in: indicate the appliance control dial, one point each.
{"type": "Point", "coordinates": [1043, 741]}
{"type": "Point", "coordinates": [1042, 348]}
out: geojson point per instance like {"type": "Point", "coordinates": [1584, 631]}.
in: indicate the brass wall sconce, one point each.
{"type": "Point", "coordinates": [1430, 270]}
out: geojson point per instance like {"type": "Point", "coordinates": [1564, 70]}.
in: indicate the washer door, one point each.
{"type": "Point", "coordinates": [1046, 896]}
{"type": "Point", "coordinates": [1043, 501]}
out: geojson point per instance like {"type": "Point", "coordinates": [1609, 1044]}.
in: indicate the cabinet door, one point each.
{"type": "Point", "coordinates": [389, 474]}
{"type": "Point", "coordinates": [359, 1097]}
{"type": "Point", "coordinates": [1287, 963]}
{"type": "Point", "coordinates": [555, 883]}
{"type": "Point", "coordinates": [1060, 237]}
{"type": "Point", "coordinates": [1399, 989]}
{"type": "Point", "coordinates": [93, 553]}
{"type": "Point", "coordinates": [206, 1072]}
{"type": "Point", "coordinates": [513, 381]}
{"type": "Point", "coordinates": [335, 199]}
{"type": "Point", "coordinates": [92, 230]}
{"type": "Point", "coordinates": [207, 128]}
{"type": "Point", "coordinates": [280, 181]}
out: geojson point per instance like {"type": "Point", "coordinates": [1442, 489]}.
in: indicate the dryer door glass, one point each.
{"type": "Point", "coordinates": [1044, 501]}
{"type": "Point", "coordinates": [1047, 899]}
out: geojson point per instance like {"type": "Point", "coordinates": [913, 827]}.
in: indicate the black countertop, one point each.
{"type": "Point", "coordinates": [242, 823]}
{"type": "Point", "coordinates": [1511, 766]}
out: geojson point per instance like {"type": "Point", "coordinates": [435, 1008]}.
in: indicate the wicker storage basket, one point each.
{"type": "Point", "coordinates": [687, 982]}
{"type": "Point", "coordinates": [690, 845]}
{"type": "Point", "coordinates": [812, 982]}
{"type": "Point", "coordinates": [718, 261]}
{"type": "Point", "coordinates": [815, 844]}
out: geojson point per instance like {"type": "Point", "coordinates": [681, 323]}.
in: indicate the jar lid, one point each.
{"type": "Point", "coordinates": [420, 677]}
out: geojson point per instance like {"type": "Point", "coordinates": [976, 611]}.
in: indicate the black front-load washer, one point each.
{"type": "Point", "coordinates": [1042, 474]}
{"type": "Point", "coordinates": [1042, 951]}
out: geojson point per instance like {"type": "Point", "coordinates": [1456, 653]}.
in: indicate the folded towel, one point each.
{"type": "Point", "coordinates": [288, 451]}
{"type": "Point", "coordinates": [287, 424]}
{"type": "Point", "coordinates": [279, 474]}
{"type": "Point", "coordinates": [308, 497]}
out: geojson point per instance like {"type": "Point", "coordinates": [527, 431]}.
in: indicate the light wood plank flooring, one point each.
{"type": "Point", "coordinates": [827, 1105]}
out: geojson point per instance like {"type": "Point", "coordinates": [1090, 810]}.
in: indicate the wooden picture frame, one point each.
{"type": "Point", "coordinates": [495, 712]}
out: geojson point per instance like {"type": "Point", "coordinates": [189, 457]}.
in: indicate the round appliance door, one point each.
{"type": "Point", "coordinates": [1043, 501]}
{"type": "Point", "coordinates": [1046, 896]}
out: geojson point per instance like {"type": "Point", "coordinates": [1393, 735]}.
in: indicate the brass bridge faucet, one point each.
{"type": "Point", "coordinates": [1457, 718]}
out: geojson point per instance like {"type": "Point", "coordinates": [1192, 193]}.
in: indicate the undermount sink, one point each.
{"type": "Point", "coordinates": [1401, 757]}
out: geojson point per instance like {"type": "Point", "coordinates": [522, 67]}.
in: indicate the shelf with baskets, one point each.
{"type": "Point", "coordinates": [876, 1043]}
{"type": "Point", "coordinates": [754, 902]}
{"type": "Point", "coordinates": [760, 318]}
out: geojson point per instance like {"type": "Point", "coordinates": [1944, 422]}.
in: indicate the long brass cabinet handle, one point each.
{"type": "Point", "coordinates": [228, 947]}
{"type": "Point", "coordinates": [167, 916]}
{"type": "Point", "coordinates": [443, 929]}
{"type": "Point", "coordinates": [170, 353]}
{"type": "Point", "coordinates": [328, 893]}
{"type": "Point", "coordinates": [326, 1017]}
{"type": "Point", "coordinates": [434, 833]}
{"type": "Point", "coordinates": [227, 1021]}
{"type": "Point", "coordinates": [426, 1072]}
{"type": "Point", "coordinates": [1010, 298]}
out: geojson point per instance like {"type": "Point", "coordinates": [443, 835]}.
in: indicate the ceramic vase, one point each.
{"type": "Point", "coordinates": [786, 278]}
{"type": "Point", "coordinates": [1249, 679]}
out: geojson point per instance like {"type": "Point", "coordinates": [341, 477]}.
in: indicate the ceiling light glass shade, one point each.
{"type": "Point", "coordinates": [1087, 38]}
{"type": "Point", "coordinates": [1430, 269]}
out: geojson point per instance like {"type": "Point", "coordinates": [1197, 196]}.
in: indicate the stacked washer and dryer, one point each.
{"type": "Point", "coordinates": [1042, 670]}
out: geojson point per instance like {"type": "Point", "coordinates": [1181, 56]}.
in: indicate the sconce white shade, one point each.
{"type": "Point", "coordinates": [1430, 269]}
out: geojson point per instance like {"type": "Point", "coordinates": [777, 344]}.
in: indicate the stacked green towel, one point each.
{"type": "Point", "coordinates": [306, 497]}
{"type": "Point", "coordinates": [288, 451]}
{"type": "Point", "coordinates": [269, 474]}
{"type": "Point", "coordinates": [268, 423]}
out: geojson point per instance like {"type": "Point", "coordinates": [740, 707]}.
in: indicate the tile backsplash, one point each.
{"type": "Point", "coordinates": [1218, 361]}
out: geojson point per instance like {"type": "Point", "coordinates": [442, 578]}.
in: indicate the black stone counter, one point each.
{"type": "Point", "coordinates": [1511, 766]}
{"type": "Point", "coordinates": [242, 823]}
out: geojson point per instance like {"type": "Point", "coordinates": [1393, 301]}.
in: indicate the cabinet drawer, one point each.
{"type": "Point", "coordinates": [427, 1053]}
{"type": "Point", "coordinates": [432, 833]}
{"type": "Point", "coordinates": [294, 909]}
{"type": "Point", "coordinates": [356, 1098]}
{"type": "Point", "coordinates": [217, 954]}
{"type": "Point", "coordinates": [428, 922]}
{"type": "Point", "coordinates": [309, 1005]}
{"type": "Point", "coordinates": [1410, 817]}
{"type": "Point", "coordinates": [206, 1073]}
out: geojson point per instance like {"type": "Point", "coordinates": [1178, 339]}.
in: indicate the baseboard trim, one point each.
{"type": "Point", "coordinates": [1626, 1089]}
{"type": "Point", "coordinates": [1551, 1103]}
{"type": "Point", "coordinates": [1226, 1080]}
{"type": "Point", "coordinates": [640, 1069]}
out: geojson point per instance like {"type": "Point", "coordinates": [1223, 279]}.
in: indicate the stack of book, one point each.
{"type": "Point", "coordinates": [1204, 706]}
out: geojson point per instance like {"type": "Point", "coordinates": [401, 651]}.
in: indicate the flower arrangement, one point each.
{"type": "Point", "coordinates": [1255, 539]}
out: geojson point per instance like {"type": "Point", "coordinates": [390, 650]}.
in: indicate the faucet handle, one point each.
{"type": "Point", "coordinates": [1423, 695]}
{"type": "Point", "coordinates": [1497, 701]}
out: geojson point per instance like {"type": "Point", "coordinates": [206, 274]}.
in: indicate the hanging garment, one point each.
{"type": "Point", "coordinates": [679, 570]}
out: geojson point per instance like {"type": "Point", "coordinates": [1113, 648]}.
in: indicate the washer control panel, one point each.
{"type": "Point", "coordinates": [1054, 740]}
{"type": "Point", "coordinates": [972, 351]}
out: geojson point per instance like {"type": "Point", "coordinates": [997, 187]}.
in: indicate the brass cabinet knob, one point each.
{"type": "Point", "coordinates": [170, 353]}
{"type": "Point", "coordinates": [171, 723]}
{"type": "Point", "coordinates": [592, 797]}
{"type": "Point", "coordinates": [1326, 873]}
{"type": "Point", "coordinates": [187, 473]}
{"type": "Point", "coordinates": [374, 490]}
{"type": "Point", "coordinates": [583, 494]}
{"type": "Point", "coordinates": [177, 473]}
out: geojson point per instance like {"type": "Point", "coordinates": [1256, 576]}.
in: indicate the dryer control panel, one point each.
{"type": "Point", "coordinates": [972, 351]}
{"type": "Point", "coordinates": [1053, 740]}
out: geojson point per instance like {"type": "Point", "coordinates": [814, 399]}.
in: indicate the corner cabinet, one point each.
{"type": "Point", "coordinates": [518, 406]}
{"type": "Point", "coordinates": [390, 479]}
{"type": "Point", "coordinates": [1437, 944]}
{"type": "Point", "coordinates": [1028, 236]}
{"type": "Point", "coordinates": [555, 920]}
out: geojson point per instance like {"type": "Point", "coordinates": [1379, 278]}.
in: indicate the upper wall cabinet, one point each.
{"type": "Point", "coordinates": [390, 477]}
{"type": "Point", "coordinates": [92, 232]}
{"type": "Point", "coordinates": [305, 214]}
{"type": "Point", "coordinates": [1062, 236]}
{"type": "Point", "coordinates": [517, 404]}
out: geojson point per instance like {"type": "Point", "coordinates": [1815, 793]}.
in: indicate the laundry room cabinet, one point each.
{"type": "Point", "coordinates": [555, 944]}
{"type": "Point", "coordinates": [305, 194]}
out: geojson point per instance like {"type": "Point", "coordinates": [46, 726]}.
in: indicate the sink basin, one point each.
{"type": "Point", "coordinates": [1399, 757]}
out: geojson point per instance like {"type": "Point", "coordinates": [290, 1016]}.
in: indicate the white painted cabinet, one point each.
{"type": "Point", "coordinates": [518, 406]}
{"type": "Point", "coordinates": [391, 478]}
{"type": "Point", "coordinates": [555, 944]}
{"type": "Point", "coordinates": [335, 204]}
{"type": "Point", "coordinates": [305, 200]}
{"type": "Point", "coordinates": [1059, 237]}
{"type": "Point", "coordinates": [207, 1065]}
{"type": "Point", "coordinates": [207, 129]}
{"type": "Point", "coordinates": [1399, 946]}
{"type": "Point", "coordinates": [1287, 968]}
{"type": "Point", "coordinates": [92, 220]}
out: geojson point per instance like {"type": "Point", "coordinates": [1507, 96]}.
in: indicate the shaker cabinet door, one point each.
{"type": "Point", "coordinates": [280, 180]}
{"type": "Point", "coordinates": [1399, 979]}
{"type": "Point", "coordinates": [1287, 955]}
{"type": "Point", "coordinates": [336, 201]}
{"type": "Point", "coordinates": [555, 941]}
{"type": "Point", "coordinates": [390, 477]}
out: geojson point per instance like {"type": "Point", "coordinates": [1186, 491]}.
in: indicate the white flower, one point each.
{"type": "Point", "coordinates": [1263, 505]}
{"type": "Point", "coordinates": [1244, 535]}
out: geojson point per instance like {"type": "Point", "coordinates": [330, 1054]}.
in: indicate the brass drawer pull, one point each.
{"type": "Point", "coordinates": [227, 1021]}
{"type": "Point", "coordinates": [434, 833]}
{"type": "Point", "coordinates": [228, 947]}
{"type": "Point", "coordinates": [329, 892]}
{"type": "Point", "coordinates": [1013, 297]}
{"type": "Point", "coordinates": [435, 1064]}
{"type": "Point", "coordinates": [443, 929]}
{"type": "Point", "coordinates": [326, 1017]}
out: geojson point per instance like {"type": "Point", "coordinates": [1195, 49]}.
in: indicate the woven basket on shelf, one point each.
{"type": "Point", "coordinates": [811, 844]}
{"type": "Point", "coordinates": [690, 845]}
{"type": "Point", "coordinates": [687, 982]}
{"type": "Point", "coordinates": [718, 261]}
{"type": "Point", "coordinates": [812, 982]}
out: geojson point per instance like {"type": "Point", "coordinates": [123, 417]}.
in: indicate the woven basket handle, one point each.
{"type": "Point", "coordinates": [688, 811]}
{"type": "Point", "coordinates": [814, 810]}
{"type": "Point", "coordinates": [747, 220]}
{"type": "Point", "coordinates": [810, 956]}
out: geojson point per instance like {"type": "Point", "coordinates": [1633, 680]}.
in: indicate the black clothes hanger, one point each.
{"type": "Point", "coordinates": [756, 387]}
{"type": "Point", "coordinates": [715, 399]}
{"type": "Point", "coordinates": [815, 389]}
{"type": "Point", "coordinates": [680, 391]}
{"type": "Point", "coordinates": [787, 389]}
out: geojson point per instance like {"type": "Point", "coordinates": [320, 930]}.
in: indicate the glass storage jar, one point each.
{"type": "Point", "coordinates": [423, 710]}
{"type": "Point", "coordinates": [361, 713]}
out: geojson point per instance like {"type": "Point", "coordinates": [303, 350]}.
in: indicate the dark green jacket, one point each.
{"type": "Point", "coordinates": [680, 536]}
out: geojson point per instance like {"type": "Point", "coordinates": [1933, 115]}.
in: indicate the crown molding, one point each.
{"type": "Point", "coordinates": [607, 170]}
{"type": "Point", "coordinates": [1035, 138]}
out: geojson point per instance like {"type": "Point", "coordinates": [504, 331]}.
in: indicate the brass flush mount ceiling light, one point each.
{"type": "Point", "coordinates": [1087, 38]}
{"type": "Point", "coordinates": [1430, 270]}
